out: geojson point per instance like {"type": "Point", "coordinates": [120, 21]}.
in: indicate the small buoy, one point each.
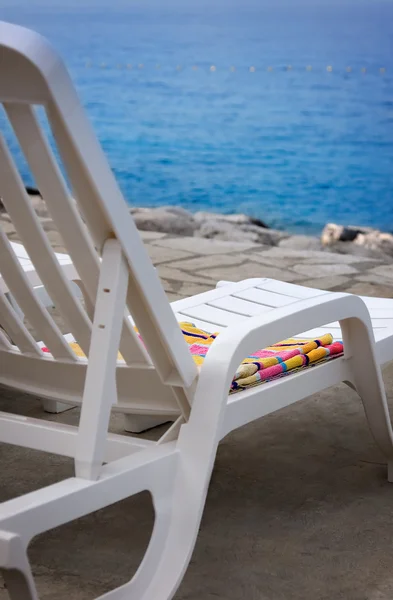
{"type": "Point", "coordinates": [252, 69]}
{"type": "Point", "coordinates": [329, 68]}
{"type": "Point", "coordinates": [382, 70]}
{"type": "Point", "coordinates": [363, 69]}
{"type": "Point", "coordinates": [233, 68]}
{"type": "Point", "coordinates": [141, 65]}
{"type": "Point", "coordinates": [103, 65]}
{"type": "Point", "coordinates": [178, 68]}
{"type": "Point", "coordinates": [270, 68]}
{"type": "Point", "coordinates": [158, 66]}
{"type": "Point", "coordinates": [195, 68]}
{"type": "Point", "coordinates": [213, 68]}
{"type": "Point", "coordinates": [349, 69]}
{"type": "Point", "coordinates": [309, 68]}
{"type": "Point", "coordinates": [289, 67]}
{"type": "Point", "coordinates": [88, 64]}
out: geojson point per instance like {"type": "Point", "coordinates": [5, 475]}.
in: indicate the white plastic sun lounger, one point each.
{"type": "Point", "coordinates": [158, 377]}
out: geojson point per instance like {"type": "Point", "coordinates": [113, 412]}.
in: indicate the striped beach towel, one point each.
{"type": "Point", "coordinates": [270, 363]}
{"type": "Point", "coordinates": [262, 366]}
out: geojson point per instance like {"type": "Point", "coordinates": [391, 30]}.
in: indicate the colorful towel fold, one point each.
{"type": "Point", "coordinates": [264, 365]}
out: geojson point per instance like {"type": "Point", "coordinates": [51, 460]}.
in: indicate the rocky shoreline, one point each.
{"type": "Point", "coordinates": [241, 228]}
{"type": "Point", "coordinates": [245, 229]}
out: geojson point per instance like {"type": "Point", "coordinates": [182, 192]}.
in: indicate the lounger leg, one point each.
{"type": "Point", "coordinates": [15, 568]}
{"type": "Point", "coordinates": [54, 407]}
{"type": "Point", "coordinates": [170, 549]}
{"type": "Point", "coordinates": [368, 382]}
{"type": "Point", "coordinates": [19, 585]}
{"type": "Point", "coordinates": [139, 423]}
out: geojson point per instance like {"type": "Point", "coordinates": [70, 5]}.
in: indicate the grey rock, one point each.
{"type": "Point", "coordinates": [269, 237]}
{"type": "Point", "coordinates": [333, 233]}
{"type": "Point", "coordinates": [164, 221]}
{"type": "Point", "coordinates": [376, 240]}
{"type": "Point", "coordinates": [206, 216]}
{"type": "Point", "coordinates": [221, 230]}
{"type": "Point", "coordinates": [233, 228]}
{"type": "Point", "coordinates": [238, 219]}
{"type": "Point", "coordinates": [363, 241]}
{"type": "Point", "coordinates": [178, 210]}
{"type": "Point", "coordinates": [242, 219]}
{"type": "Point", "coordinates": [229, 230]}
{"type": "Point", "coordinates": [357, 250]}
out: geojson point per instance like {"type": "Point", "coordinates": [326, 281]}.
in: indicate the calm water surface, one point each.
{"type": "Point", "coordinates": [210, 105]}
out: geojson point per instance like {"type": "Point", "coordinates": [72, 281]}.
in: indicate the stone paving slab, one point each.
{"type": "Point", "coordinates": [171, 254]}
{"type": "Point", "coordinates": [209, 260]}
{"type": "Point", "coordinates": [203, 246]}
{"type": "Point", "coordinates": [324, 269]}
{"type": "Point", "coordinates": [384, 271]}
{"type": "Point", "coordinates": [329, 282]}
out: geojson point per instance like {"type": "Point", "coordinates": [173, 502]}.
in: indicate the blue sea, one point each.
{"type": "Point", "coordinates": [282, 110]}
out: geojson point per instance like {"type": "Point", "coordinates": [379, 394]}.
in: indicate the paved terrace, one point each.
{"type": "Point", "coordinates": [299, 507]}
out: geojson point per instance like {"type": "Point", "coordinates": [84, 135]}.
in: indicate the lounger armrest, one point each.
{"type": "Point", "coordinates": [240, 340]}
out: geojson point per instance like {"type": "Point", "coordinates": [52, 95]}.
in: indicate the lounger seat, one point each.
{"type": "Point", "coordinates": [232, 303]}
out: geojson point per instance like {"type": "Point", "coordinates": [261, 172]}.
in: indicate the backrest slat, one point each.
{"type": "Point", "coordinates": [94, 184]}
{"type": "Point", "coordinates": [32, 235]}
{"type": "Point", "coordinates": [64, 212]}
{"type": "Point", "coordinates": [16, 329]}
{"type": "Point", "coordinates": [28, 301]}
{"type": "Point", "coordinates": [82, 188]}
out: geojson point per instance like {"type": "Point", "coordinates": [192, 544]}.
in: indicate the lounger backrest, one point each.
{"type": "Point", "coordinates": [31, 75]}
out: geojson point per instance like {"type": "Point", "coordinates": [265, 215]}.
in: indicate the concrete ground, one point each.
{"type": "Point", "coordinates": [299, 507]}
